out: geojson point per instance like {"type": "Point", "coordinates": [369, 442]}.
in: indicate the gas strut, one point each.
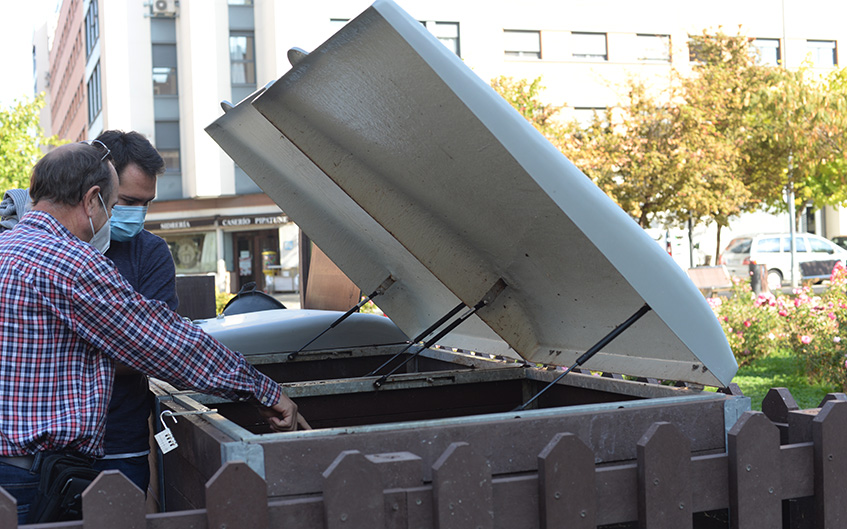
{"type": "Point", "coordinates": [591, 352]}
{"type": "Point", "coordinates": [380, 290]}
{"type": "Point", "coordinates": [488, 298]}
{"type": "Point", "coordinates": [419, 337]}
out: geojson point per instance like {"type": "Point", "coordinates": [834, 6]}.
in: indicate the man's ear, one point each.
{"type": "Point", "coordinates": [91, 202]}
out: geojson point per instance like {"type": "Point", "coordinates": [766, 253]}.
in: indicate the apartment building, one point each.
{"type": "Point", "coordinates": [163, 67]}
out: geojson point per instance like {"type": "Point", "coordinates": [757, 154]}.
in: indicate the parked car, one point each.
{"type": "Point", "coordinates": [840, 240]}
{"type": "Point", "coordinates": [774, 251]}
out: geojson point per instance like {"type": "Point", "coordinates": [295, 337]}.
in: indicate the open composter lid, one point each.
{"type": "Point", "coordinates": [398, 161]}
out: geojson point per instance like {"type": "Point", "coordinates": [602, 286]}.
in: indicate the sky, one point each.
{"type": "Point", "coordinates": [19, 19]}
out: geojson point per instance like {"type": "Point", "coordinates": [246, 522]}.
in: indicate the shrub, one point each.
{"type": "Point", "coordinates": [752, 323]}
{"type": "Point", "coordinates": [812, 327]}
{"type": "Point", "coordinates": [221, 299]}
{"type": "Point", "coordinates": [817, 330]}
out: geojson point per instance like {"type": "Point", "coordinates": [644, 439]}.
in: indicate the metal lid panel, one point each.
{"type": "Point", "coordinates": [473, 193]}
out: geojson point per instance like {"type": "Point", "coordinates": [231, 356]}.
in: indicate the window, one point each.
{"type": "Point", "coordinates": [820, 246]}
{"type": "Point", "coordinates": [522, 44]}
{"type": "Point", "coordinates": [242, 58]}
{"type": "Point", "coordinates": [164, 70]}
{"type": "Point", "coordinates": [92, 28]}
{"type": "Point", "coordinates": [168, 144]}
{"type": "Point", "coordinates": [653, 48]}
{"type": "Point", "coordinates": [171, 158]}
{"type": "Point", "coordinates": [769, 51]}
{"type": "Point", "coordinates": [194, 253]}
{"type": "Point", "coordinates": [586, 116]}
{"type": "Point", "coordinates": [446, 32]}
{"type": "Point", "coordinates": [164, 81]}
{"type": "Point", "coordinates": [769, 245]}
{"type": "Point", "coordinates": [95, 99]}
{"type": "Point", "coordinates": [799, 244]}
{"type": "Point", "coordinates": [590, 46]}
{"type": "Point", "coordinates": [822, 52]}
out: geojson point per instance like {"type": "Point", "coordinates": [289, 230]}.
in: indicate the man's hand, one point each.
{"type": "Point", "coordinates": [283, 416]}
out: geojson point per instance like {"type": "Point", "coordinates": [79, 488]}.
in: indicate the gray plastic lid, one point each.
{"type": "Point", "coordinates": [398, 161]}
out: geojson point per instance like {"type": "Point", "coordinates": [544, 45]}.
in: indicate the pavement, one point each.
{"type": "Point", "coordinates": [291, 300]}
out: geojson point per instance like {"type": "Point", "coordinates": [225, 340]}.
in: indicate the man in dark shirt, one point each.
{"type": "Point", "coordinates": [145, 262]}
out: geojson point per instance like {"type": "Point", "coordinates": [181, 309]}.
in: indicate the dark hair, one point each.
{"type": "Point", "coordinates": [66, 173]}
{"type": "Point", "coordinates": [132, 147]}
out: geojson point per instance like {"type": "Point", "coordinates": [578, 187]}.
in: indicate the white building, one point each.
{"type": "Point", "coordinates": [163, 67]}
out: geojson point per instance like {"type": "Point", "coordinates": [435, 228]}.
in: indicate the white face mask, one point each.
{"type": "Point", "coordinates": [102, 237]}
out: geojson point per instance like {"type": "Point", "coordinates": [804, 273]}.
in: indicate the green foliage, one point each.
{"type": "Point", "coordinates": [817, 331]}
{"type": "Point", "coordinates": [713, 143]}
{"type": "Point", "coordinates": [717, 99]}
{"type": "Point", "coordinates": [370, 308]}
{"type": "Point", "coordinates": [525, 97]}
{"type": "Point", "coordinates": [637, 160]}
{"type": "Point", "coordinates": [754, 325]}
{"type": "Point", "coordinates": [221, 299]}
{"type": "Point", "coordinates": [21, 140]}
{"type": "Point", "coordinates": [800, 122]}
{"type": "Point", "coordinates": [812, 327]}
{"type": "Point", "coordinates": [781, 369]}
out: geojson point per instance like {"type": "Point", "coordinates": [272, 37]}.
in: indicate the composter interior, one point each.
{"type": "Point", "coordinates": [437, 395]}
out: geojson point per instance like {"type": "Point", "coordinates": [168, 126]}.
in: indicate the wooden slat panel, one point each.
{"type": "Point", "coordinates": [711, 474]}
{"type": "Point", "coordinates": [353, 493]}
{"type": "Point", "coordinates": [829, 431]}
{"type": "Point", "coordinates": [8, 510]}
{"type": "Point", "coordinates": [566, 488]}
{"type": "Point", "coordinates": [298, 513]}
{"type": "Point", "coordinates": [193, 519]}
{"type": "Point", "coordinates": [797, 468]}
{"type": "Point", "coordinates": [461, 488]}
{"type": "Point", "coordinates": [112, 500]}
{"type": "Point", "coordinates": [664, 487]}
{"type": "Point", "coordinates": [516, 502]}
{"type": "Point", "coordinates": [419, 503]}
{"type": "Point", "coordinates": [617, 494]}
{"type": "Point", "coordinates": [514, 444]}
{"type": "Point", "coordinates": [754, 477]}
{"type": "Point", "coordinates": [237, 497]}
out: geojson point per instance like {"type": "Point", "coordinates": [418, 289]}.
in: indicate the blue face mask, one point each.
{"type": "Point", "coordinates": [127, 222]}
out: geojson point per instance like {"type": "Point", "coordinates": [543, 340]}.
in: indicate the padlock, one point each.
{"type": "Point", "coordinates": [165, 438]}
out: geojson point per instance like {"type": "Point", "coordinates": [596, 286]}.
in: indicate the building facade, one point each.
{"type": "Point", "coordinates": [163, 68]}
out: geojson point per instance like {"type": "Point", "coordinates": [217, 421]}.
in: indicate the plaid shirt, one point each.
{"type": "Point", "coordinates": [65, 315]}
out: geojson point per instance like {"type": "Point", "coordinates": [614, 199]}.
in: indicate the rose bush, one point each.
{"type": "Point", "coordinates": [816, 328]}
{"type": "Point", "coordinates": [754, 324]}
{"type": "Point", "coordinates": [812, 326]}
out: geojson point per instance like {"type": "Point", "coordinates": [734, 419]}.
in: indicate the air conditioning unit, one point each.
{"type": "Point", "coordinates": [164, 8]}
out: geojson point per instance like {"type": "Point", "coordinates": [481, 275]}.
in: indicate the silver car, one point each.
{"type": "Point", "coordinates": [774, 251]}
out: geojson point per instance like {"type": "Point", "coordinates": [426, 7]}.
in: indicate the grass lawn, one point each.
{"type": "Point", "coordinates": [780, 370]}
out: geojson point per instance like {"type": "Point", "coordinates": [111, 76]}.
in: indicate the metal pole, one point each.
{"type": "Point", "coordinates": [791, 215]}
{"type": "Point", "coordinates": [790, 190]}
{"type": "Point", "coordinates": [691, 263]}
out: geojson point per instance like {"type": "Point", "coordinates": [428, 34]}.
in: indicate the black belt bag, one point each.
{"type": "Point", "coordinates": [64, 477]}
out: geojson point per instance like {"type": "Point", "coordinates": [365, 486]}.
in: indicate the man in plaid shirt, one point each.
{"type": "Point", "coordinates": [66, 316]}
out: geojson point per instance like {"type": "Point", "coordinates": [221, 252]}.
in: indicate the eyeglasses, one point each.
{"type": "Point", "coordinates": [100, 146]}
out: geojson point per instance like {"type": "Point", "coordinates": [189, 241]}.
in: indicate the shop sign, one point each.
{"type": "Point", "coordinates": [254, 221]}
{"type": "Point", "coordinates": [186, 224]}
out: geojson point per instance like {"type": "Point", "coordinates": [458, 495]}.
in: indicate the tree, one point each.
{"type": "Point", "coordinates": [798, 132]}
{"type": "Point", "coordinates": [21, 140]}
{"type": "Point", "coordinates": [717, 100]}
{"type": "Point", "coordinates": [525, 97]}
{"type": "Point", "coordinates": [715, 144]}
{"type": "Point", "coordinates": [634, 153]}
